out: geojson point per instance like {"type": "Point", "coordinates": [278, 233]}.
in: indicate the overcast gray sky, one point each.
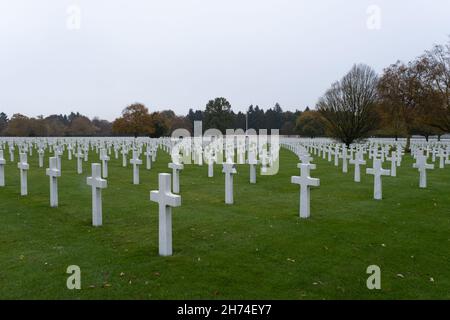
{"type": "Point", "coordinates": [180, 53]}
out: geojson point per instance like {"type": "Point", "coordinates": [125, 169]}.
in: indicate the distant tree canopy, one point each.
{"type": "Point", "coordinates": [310, 124]}
{"type": "Point", "coordinates": [415, 97]}
{"type": "Point", "coordinates": [135, 121]}
{"type": "Point", "coordinates": [3, 122]}
{"type": "Point", "coordinates": [218, 114]}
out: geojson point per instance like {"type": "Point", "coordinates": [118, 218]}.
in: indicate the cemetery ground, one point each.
{"type": "Point", "coordinates": [257, 248]}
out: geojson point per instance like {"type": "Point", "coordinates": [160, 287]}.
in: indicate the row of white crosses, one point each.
{"type": "Point", "coordinates": [166, 199]}
{"type": "Point", "coordinates": [381, 152]}
{"type": "Point", "coordinates": [378, 153]}
{"type": "Point", "coordinates": [54, 172]}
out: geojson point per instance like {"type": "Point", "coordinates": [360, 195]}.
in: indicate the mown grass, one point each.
{"type": "Point", "coordinates": [257, 248]}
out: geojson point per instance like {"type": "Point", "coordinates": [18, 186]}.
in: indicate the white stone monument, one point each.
{"type": "Point", "coordinates": [253, 162]}
{"type": "Point", "coordinates": [124, 152]}
{"type": "Point", "coordinates": [97, 184]}
{"type": "Point", "coordinates": [393, 160]}
{"type": "Point", "coordinates": [229, 168]}
{"type": "Point", "coordinates": [79, 156]}
{"type": "Point", "coordinates": [166, 200]}
{"type": "Point", "coordinates": [377, 171]}
{"type": "Point", "coordinates": [24, 167]}
{"type": "Point", "coordinates": [136, 162]}
{"type": "Point", "coordinates": [148, 155]}
{"type": "Point", "coordinates": [2, 169]}
{"type": "Point", "coordinates": [344, 157]}
{"type": "Point", "coordinates": [176, 168]}
{"type": "Point", "coordinates": [422, 165]}
{"type": "Point", "coordinates": [41, 157]}
{"type": "Point", "coordinates": [104, 158]}
{"type": "Point", "coordinates": [53, 172]}
{"type": "Point", "coordinates": [358, 161]}
{"type": "Point", "coordinates": [305, 182]}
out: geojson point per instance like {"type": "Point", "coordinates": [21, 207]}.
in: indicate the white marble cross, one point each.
{"type": "Point", "coordinates": [434, 152]}
{"type": "Point", "coordinates": [211, 167]}
{"type": "Point", "coordinates": [336, 156]}
{"type": "Point", "coordinates": [344, 157]}
{"type": "Point", "coordinates": [58, 153]}
{"type": "Point", "coordinates": [104, 158]}
{"type": "Point", "coordinates": [53, 172]}
{"type": "Point", "coordinates": [148, 155]}
{"type": "Point", "coordinates": [393, 160]}
{"type": "Point", "coordinates": [79, 156]}
{"type": "Point", "coordinates": [442, 156]}
{"type": "Point", "coordinates": [377, 171]}
{"type": "Point", "coordinates": [41, 157]}
{"type": "Point", "coordinates": [24, 167]}
{"type": "Point", "coordinates": [176, 168]}
{"type": "Point", "coordinates": [97, 184]}
{"type": "Point", "coordinates": [2, 169]}
{"type": "Point", "coordinates": [305, 182]}
{"type": "Point", "coordinates": [399, 155]}
{"type": "Point", "coordinates": [11, 153]}
{"type": "Point", "coordinates": [264, 160]}
{"type": "Point", "coordinates": [86, 153]}
{"type": "Point", "coordinates": [253, 162]}
{"type": "Point", "coordinates": [124, 156]}
{"type": "Point", "coordinates": [166, 200]}
{"type": "Point", "coordinates": [358, 161]}
{"type": "Point", "coordinates": [229, 168]}
{"type": "Point", "coordinates": [136, 162]}
{"type": "Point", "coordinates": [423, 166]}
{"type": "Point", "coordinates": [69, 152]}
{"type": "Point", "coordinates": [306, 159]}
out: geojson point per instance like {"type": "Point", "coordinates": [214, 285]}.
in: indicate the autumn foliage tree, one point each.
{"type": "Point", "coordinates": [81, 126]}
{"type": "Point", "coordinates": [310, 124]}
{"type": "Point", "coordinates": [408, 104]}
{"type": "Point", "coordinates": [135, 121]}
{"type": "Point", "coordinates": [435, 71]}
{"type": "Point", "coordinates": [19, 125]}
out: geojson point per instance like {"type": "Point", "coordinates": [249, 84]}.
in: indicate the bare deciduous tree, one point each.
{"type": "Point", "coordinates": [349, 105]}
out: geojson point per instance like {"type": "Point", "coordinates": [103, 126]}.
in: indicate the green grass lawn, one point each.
{"type": "Point", "coordinates": [257, 248]}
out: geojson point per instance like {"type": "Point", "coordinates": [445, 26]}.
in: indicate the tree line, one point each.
{"type": "Point", "coordinates": [73, 124]}
{"type": "Point", "coordinates": [137, 120]}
